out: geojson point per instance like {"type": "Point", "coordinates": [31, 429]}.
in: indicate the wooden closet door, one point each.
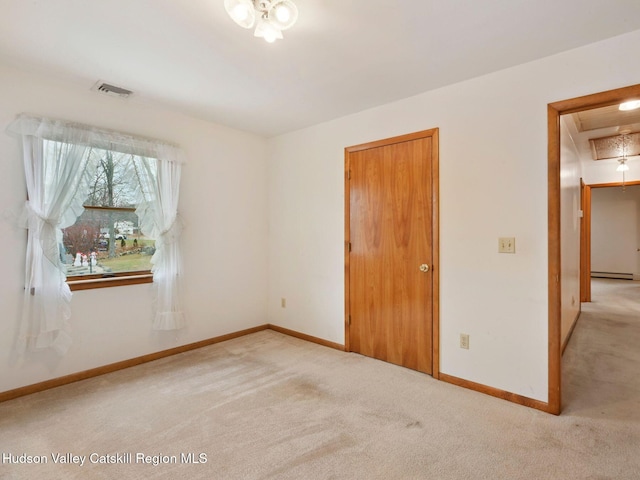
{"type": "Point", "coordinates": [391, 253]}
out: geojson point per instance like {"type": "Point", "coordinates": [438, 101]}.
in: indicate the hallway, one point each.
{"type": "Point", "coordinates": [601, 365]}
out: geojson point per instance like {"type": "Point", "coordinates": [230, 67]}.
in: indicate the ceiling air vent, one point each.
{"type": "Point", "coordinates": [111, 90]}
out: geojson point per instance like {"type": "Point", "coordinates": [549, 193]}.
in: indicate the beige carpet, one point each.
{"type": "Point", "coordinates": [267, 406]}
{"type": "Point", "coordinates": [601, 365]}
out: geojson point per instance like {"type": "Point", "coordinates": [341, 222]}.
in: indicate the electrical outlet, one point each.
{"type": "Point", "coordinates": [464, 341]}
{"type": "Point", "coordinates": [283, 302]}
{"type": "Point", "coordinates": [507, 245]}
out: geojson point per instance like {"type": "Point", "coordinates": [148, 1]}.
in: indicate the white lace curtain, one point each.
{"type": "Point", "coordinates": [158, 215]}
{"type": "Point", "coordinates": [58, 173]}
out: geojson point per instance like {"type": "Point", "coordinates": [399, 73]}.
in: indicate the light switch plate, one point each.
{"type": "Point", "coordinates": [507, 245]}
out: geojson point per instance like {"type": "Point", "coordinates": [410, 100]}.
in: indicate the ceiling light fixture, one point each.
{"type": "Point", "coordinates": [630, 105]}
{"type": "Point", "coordinates": [270, 17]}
{"type": "Point", "coordinates": [622, 167]}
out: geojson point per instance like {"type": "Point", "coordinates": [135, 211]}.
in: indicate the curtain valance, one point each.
{"type": "Point", "coordinates": [88, 136]}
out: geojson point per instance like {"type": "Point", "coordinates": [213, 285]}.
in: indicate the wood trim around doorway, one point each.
{"type": "Point", "coordinates": [554, 110]}
{"type": "Point", "coordinates": [585, 244]}
{"type": "Point", "coordinates": [435, 228]}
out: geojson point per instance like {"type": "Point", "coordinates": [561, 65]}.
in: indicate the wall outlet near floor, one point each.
{"type": "Point", "coordinates": [283, 302]}
{"type": "Point", "coordinates": [464, 341]}
{"type": "Point", "coordinates": [506, 245]}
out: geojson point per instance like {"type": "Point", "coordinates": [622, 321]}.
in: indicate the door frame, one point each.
{"type": "Point", "coordinates": [554, 110]}
{"type": "Point", "coordinates": [585, 243]}
{"type": "Point", "coordinates": [435, 229]}
{"type": "Point", "coordinates": [585, 235]}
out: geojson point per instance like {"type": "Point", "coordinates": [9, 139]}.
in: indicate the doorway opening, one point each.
{"type": "Point", "coordinates": [555, 271]}
{"type": "Point", "coordinates": [618, 263]}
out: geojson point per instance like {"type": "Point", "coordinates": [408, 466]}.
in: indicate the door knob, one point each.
{"type": "Point", "coordinates": [424, 267]}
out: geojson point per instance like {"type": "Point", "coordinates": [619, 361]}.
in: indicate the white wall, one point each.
{"type": "Point", "coordinates": [570, 206]}
{"type": "Point", "coordinates": [493, 182]}
{"type": "Point", "coordinates": [604, 171]}
{"type": "Point", "coordinates": [615, 230]}
{"type": "Point", "coordinates": [223, 202]}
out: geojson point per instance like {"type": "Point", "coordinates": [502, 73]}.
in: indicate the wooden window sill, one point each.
{"type": "Point", "coordinates": [86, 283]}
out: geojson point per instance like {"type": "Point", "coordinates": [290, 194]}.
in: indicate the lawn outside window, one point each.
{"type": "Point", "coordinates": [93, 260]}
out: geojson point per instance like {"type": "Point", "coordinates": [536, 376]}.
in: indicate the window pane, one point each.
{"type": "Point", "coordinates": [117, 179]}
{"type": "Point", "coordinates": [104, 242]}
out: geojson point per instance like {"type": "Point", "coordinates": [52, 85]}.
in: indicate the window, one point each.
{"type": "Point", "coordinates": [106, 242]}
{"type": "Point", "coordinates": [86, 186]}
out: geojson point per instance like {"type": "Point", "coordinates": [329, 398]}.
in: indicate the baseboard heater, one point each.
{"type": "Point", "coordinates": [617, 275]}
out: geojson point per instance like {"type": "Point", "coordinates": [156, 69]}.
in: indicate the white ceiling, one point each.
{"type": "Point", "coordinates": [606, 117]}
{"type": "Point", "coordinates": [600, 123]}
{"type": "Point", "coordinates": [342, 56]}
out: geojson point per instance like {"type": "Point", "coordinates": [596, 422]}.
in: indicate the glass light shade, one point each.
{"type": "Point", "coordinates": [623, 167]}
{"type": "Point", "coordinates": [283, 14]}
{"type": "Point", "coordinates": [630, 105]}
{"type": "Point", "coordinates": [267, 31]}
{"type": "Point", "coordinates": [241, 12]}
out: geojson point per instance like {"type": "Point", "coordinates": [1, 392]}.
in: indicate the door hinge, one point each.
{"type": "Point", "coordinates": [349, 320]}
{"type": "Point", "coordinates": [349, 246]}
{"type": "Point", "coordinates": [348, 174]}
